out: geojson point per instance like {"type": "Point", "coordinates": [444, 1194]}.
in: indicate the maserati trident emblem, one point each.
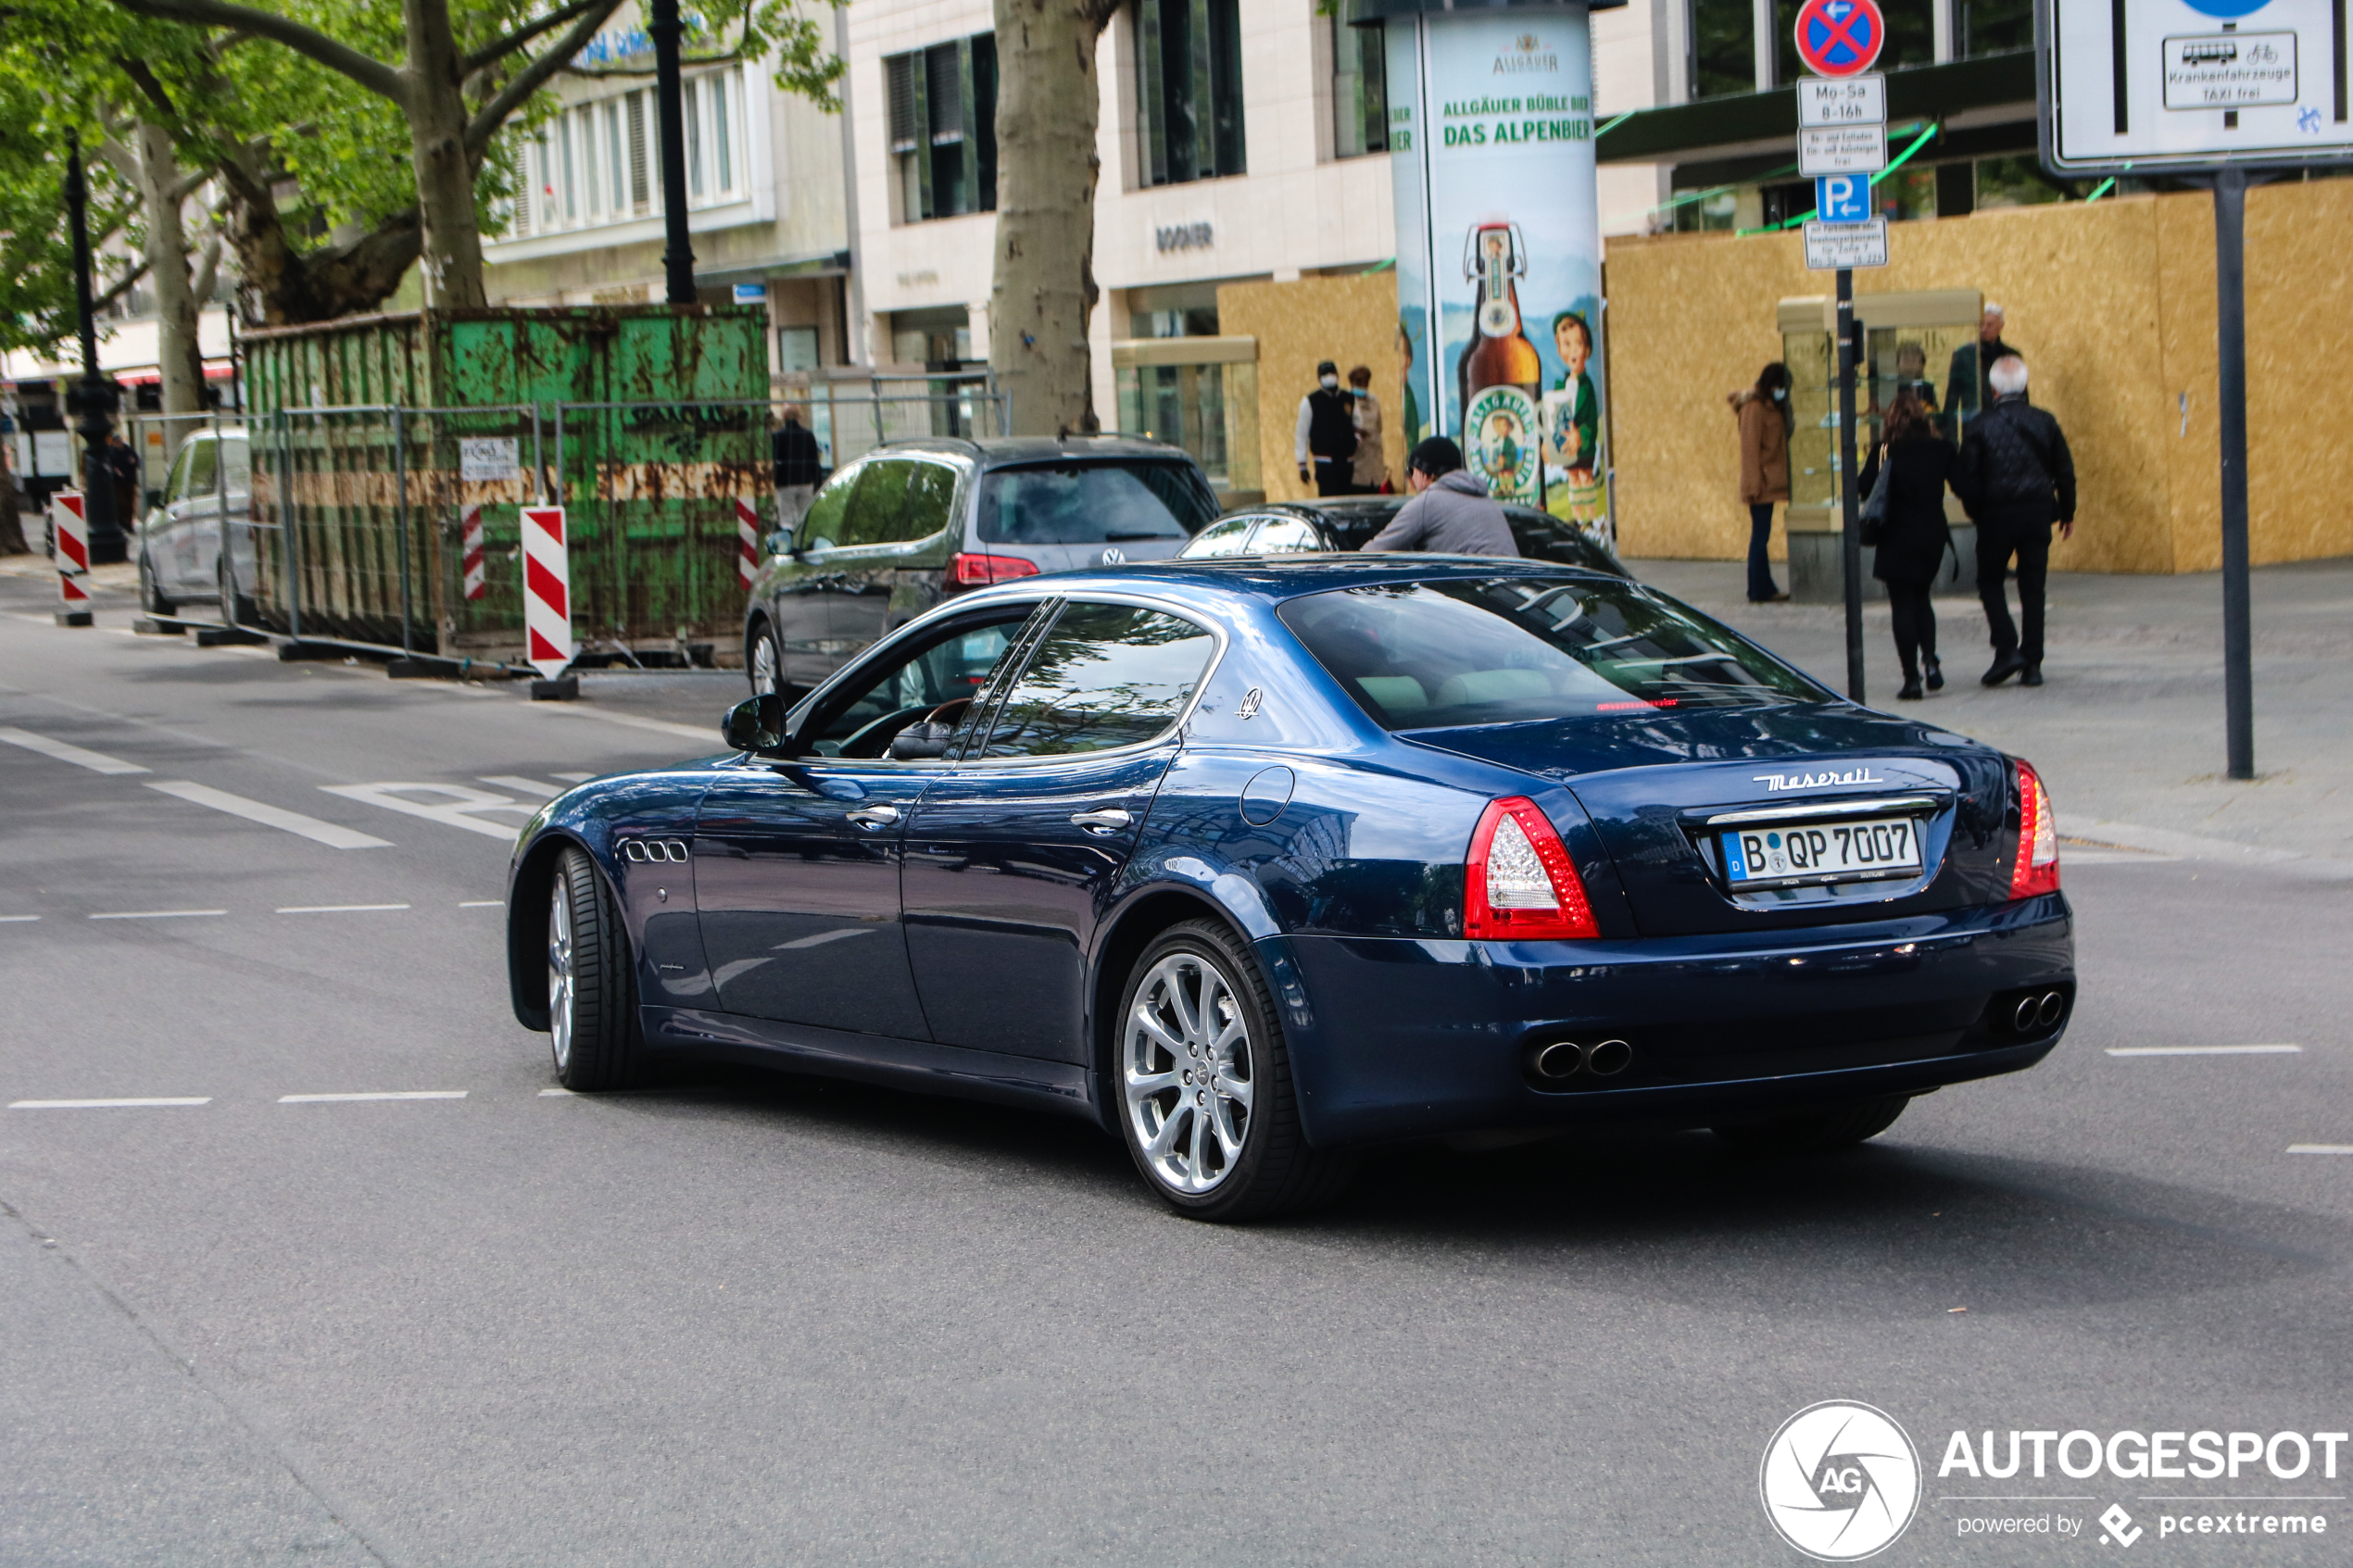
{"type": "Point", "coordinates": [1114, 557]}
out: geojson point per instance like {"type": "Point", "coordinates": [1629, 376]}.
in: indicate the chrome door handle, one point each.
{"type": "Point", "coordinates": [874, 816]}
{"type": "Point", "coordinates": [1111, 819]}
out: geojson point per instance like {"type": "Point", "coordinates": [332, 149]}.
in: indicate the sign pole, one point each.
{"type": "Point", "coordinates": [1850, 538]}
{"type": "Point", "coordinates": [2230, 325]}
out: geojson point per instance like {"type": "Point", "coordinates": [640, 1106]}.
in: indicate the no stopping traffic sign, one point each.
{"type": "Point", "coordinates": [1840, 37]}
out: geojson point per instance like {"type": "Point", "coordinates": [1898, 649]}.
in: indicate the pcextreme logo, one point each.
{"type": "Point", "coordinates": [1840, 1481]}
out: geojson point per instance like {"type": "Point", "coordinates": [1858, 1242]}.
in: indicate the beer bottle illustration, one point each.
{"type": "Point", "coordinates": [1501, 376]}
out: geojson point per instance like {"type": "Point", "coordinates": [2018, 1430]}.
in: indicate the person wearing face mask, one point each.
{"type": "Point", "coordinates": [1324, 444]}
{"type": "Point", "coordinates": [1765, 423]}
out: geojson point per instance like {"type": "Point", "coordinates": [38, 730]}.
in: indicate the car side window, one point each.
{"type": "Point", "coordinates": [1227, 536]}
{"type": "Point", "coordinates": [240, 469]}
{"type": "Point", "coordinates": [900, 499]}
{"type": "Point", "coordinates": [175, 485]}
{"type": "Point", "coordinates": [821, 528]}
{"type": "Point", "coordinates": [1103, 676]}
{"type": "Point", "coordinates": [946, 672]}
{"type": "Point", "coordinates": [1286, 534]}
{"type": "Point", "coordinates": [201, 474]}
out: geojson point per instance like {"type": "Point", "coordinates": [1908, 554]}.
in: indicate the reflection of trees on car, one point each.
{"type": "Point", "coordinates": [1107, 675]}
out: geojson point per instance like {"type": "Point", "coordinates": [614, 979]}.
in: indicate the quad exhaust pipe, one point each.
{"type": "Point", "coordinates": [2038, 1011]}
{"type": "Point", "coordinates": [1561, 1062]}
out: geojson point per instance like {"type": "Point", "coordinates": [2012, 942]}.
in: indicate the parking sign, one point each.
{"type": "Point", "coordinates": [1843, 198]}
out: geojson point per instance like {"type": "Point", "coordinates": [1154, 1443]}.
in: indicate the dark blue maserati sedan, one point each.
{"type": "Point", "coordinates": [1261, 862]}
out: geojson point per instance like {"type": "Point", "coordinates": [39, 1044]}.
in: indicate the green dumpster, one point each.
{"type": "Point", "coordinates": [388, 449]}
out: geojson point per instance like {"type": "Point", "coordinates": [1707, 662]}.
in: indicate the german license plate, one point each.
{"type": "Point", "coordinates": [1822, 851]}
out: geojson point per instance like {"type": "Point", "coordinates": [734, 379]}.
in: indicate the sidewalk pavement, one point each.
{"type": "Point", "coordinates": [2128, 732]}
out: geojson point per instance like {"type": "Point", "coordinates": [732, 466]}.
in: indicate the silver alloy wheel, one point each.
{"type": "Point", "coordinates": [1187, 1073]}
{"type": "Point", "coordinates": [765, 674]}
{"type": "Point", "coordinates": [561, 990]}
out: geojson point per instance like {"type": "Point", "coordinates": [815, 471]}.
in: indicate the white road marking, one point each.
{"type": "Point", "coordinates": [98, 1104]}
{"type": "Point", "coordinates": [96, 761]}
{"type": "Point", "coordinates": [454, 810]}
{"type": "Point", "coordinates": [559, 1094]}
{"type": "Point", "coordinates": [2205, 1051]}
{"type": "Point", "coordinates": [329, 834]}
{"type": "Point", "coordinates": [18, 920]}
{"type": "Point", "coordinates": [2321, 1148]}
{"type": "Point", "coordinates": [336, 908]}
{"type": "Point", "coordinates": [401, 1094]}
{"type": "Point", "coordinates": [630, 720]}
{"type": "Point", "coordinates": [469, 904]}
{"type": "Point", "coordinates": [532, 787]}
{"type": "Point", "coordinates": [161, 914]}
{"type": "Point", "coordinates": [575, 778]}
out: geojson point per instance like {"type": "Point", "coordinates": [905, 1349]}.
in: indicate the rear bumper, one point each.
{"type": "Point", "coordinates": [1394, 1037]}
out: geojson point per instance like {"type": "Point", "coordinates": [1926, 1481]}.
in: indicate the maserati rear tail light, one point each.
{"type": "Point", "coordinates": [2036, 868]}
{"type": "Point", "coordinates": [1520, 883]}
{"type": "Point", "coordinates": [979, 571]}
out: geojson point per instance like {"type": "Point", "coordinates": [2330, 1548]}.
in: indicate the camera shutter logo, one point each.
{"type": "Point", "coordinates": [1840, 1481]}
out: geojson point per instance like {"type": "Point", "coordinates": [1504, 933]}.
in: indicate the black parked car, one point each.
{"type": "Point", "coordinates": [913, 522]}
{"type": "Point", "coordinates": [1345, 522]}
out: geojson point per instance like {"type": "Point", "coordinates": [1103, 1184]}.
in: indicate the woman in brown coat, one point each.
{"type": "Point", "coordinates": [1765, 419]}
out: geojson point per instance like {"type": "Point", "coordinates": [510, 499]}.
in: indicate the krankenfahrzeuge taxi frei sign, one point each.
{"type": "Point", "coordinates": [2175, 84]}
{"type": "Point", "coordinates": [1842, 130]}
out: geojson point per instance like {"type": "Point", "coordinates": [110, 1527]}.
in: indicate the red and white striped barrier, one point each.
{"type": "Point", "coordinates": [747, 541]}
{"type": "Point", "coordinates": [547, 591]}
{"type": "Point", "coordinates": [72, 550]}
{"type": "Point", "coordinates": [476, 582]}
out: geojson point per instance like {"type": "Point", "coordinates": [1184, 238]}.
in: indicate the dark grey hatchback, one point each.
{"type": "Point", "coordinates": [913, 522]}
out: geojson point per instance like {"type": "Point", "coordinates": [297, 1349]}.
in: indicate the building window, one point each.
{"type": "Point", "coordinates": [722, 139]}
{"type": "Point", "coordinates": [943, 128]}
{"type": "Point", "coordinates": [593, 184]}
{"type": "Point", "coordinates": [639, 201]}
{"type": "Point", "coordinates": [1360, 90]}
{"type": "Point", "coordinates": [692, 120]}
{"type": "Point", "coordinates": [1723, 47]}
{"type": "Point", "coordinates": [1189, 69]}
{"type": "Point", "coordinates": [1992, 27]}
{"type": "Point", "coordinates": [600, 163]}
{"type": "Point", "coordinates": [615, 164]}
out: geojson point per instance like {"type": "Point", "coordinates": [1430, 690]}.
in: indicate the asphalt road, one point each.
{"type": "Point", "coordinates": [755, 1320]}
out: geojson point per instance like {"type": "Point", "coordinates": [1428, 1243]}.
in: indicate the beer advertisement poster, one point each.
{"type": "Point", "coordinates": [1499, 248]}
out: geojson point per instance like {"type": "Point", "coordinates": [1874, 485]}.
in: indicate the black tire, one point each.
{"type": "Point", "coordinates": [1816, 1130]}
{"type": "Point", "coordinates": [1272, 1171]}
{"type": "Point", "coordinates": [598, 1045]}
{"type": "Point", "coordinates": [236, 609]}
{"type": "Point", "coordinates": [151, 599]}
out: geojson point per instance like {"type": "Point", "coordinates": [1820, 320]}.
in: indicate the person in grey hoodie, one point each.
{"type": "Point", "coordinates": [1451, 512]}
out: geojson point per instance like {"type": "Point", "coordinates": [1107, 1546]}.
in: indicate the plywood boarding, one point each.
{"type": "Point", "coordinates": [2112, 304]}
{"type": "Point", "coordinates": [1350, 321]}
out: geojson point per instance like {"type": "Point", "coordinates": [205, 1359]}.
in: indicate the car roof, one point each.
{"type": "Point", "coordinates": [1369, 506]}
{"type": "Point", "coordinates": [1272, 579]}
{"type": "Point", "coordinates": [1005, 451]}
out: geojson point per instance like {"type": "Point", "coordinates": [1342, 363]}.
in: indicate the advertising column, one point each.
{"type": "Point", "coordinates": [1499, 275]}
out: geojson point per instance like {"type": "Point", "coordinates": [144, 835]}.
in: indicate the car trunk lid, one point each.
{"type": "Point", "coordinates": [1663, 791]}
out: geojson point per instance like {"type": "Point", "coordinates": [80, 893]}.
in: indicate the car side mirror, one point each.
{"type": "Point", "coordinates": [757, 723]}
{"type": "Point", "coordinates": [780, 542]}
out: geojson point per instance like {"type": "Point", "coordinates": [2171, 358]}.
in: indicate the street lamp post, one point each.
{"type": "Point", "coordinates": [94, 399]}
{"type": "Point", "coordinates": [677, 253]}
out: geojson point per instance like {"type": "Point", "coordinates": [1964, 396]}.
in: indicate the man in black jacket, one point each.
{"type": "Point", "coordinates": [1967, 382]}
{"type": "Point", "coordinates": [798, 465]}
{"type": "Point", "coordinates": [1324, 444]}
{"type": "Point", "coordinates": [2015, 477]}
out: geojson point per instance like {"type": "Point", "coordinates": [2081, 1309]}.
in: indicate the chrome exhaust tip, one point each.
{"type": "Point", "coordinates": [1609, 1058]}
{"type": "Point", "coordinates": [2022, 1018]}
{"type": "Point", "coordinates": [2054, 1005]}
{"type": "Point", "coordinates": [1559, 1061]}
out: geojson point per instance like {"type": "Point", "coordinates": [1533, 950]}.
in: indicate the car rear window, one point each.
{"type": "Point", "coordinates": [1098, 503]}
{"type": "Point", "coordinates": [1503, 650]}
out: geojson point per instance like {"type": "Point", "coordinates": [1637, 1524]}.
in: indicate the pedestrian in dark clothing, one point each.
{"type": "Point", "coordinates": [1451, 512]}
{"type": "Point", "coordinates": [798, 465]}
{"type": "Point", "coordinates": [1323, 444]}
{"type": "Point", "coordinates": [2015, 477]}
{"type": "Point", "coordinates": [122, 463]}
{"type": "Point", "coordinates": [1765, 421]}
{"type": "Point", "coordinates": [1967, 388]}
{"type": "Point", "coordinates": [1913, 536]}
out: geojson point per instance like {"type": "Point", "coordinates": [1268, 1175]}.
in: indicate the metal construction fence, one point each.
{"type": "Point", "coordinates": [359, 522]}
